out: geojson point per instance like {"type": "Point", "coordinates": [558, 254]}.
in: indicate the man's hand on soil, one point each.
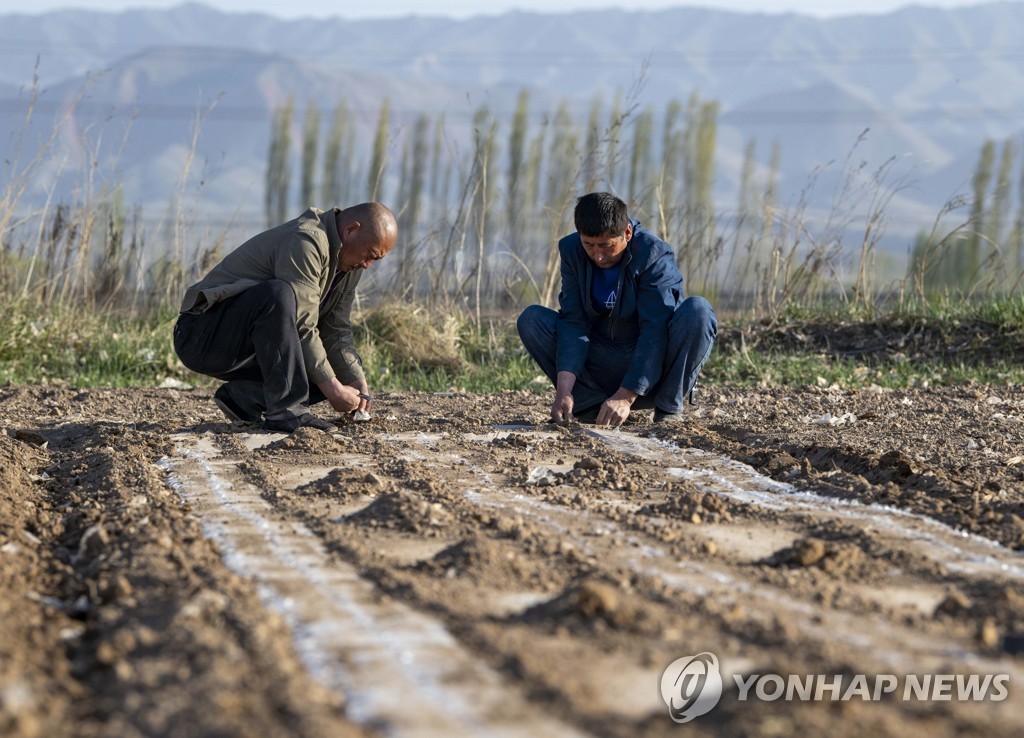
{"type": "Point", "coordinates": [343, 398]}
{"type": "Point", "coordinates": [363, 391]}
{"type": "Point", "coordinates": [615, 409]}
{"type": "Point", "coordinates": [561, 408]}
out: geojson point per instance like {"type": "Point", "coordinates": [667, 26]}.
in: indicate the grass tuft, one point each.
{"type": "Point", "coordinates": [65, 345]}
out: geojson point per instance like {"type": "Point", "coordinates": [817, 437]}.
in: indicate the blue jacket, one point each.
{"type": "Point", "coordinates": [650, 289]}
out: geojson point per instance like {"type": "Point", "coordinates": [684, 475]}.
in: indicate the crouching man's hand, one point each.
{"type": "Point", "coordinates": [561, 408]}
{"type": "Point", "coordinates": [363, 389]}
{"type": "Point", "coordinates": [616, 408]}
{"type": "Point", "coordinates": [342, 397]}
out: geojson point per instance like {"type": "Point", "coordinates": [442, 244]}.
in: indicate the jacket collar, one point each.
{"type": "Point", "coordinates": [330, 222]}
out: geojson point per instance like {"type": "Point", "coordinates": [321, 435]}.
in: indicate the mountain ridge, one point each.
{"type": "Point", "coordinates": [930, 84]}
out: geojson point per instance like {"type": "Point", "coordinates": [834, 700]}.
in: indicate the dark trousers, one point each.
{"type": "Point", "coordinates": [691, 334]}
{"type": "Point", "coordinates": [251, 342]}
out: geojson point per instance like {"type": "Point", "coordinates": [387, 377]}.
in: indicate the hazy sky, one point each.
{"type": "Point", "coordinates": [462, 8]}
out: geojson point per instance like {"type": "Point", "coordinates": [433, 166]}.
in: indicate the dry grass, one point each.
{"type": "Point", "coordinates": [413, 337]}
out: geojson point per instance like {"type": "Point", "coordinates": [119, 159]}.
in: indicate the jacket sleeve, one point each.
{"type": "Point", "coordinates": [659, 289]}
{"type": "Point", "coordinates": [573, 327]}
{"type": "Point", "coordinates": [336, 331]}
{"type": "Point", "coordinates": [300, 262]}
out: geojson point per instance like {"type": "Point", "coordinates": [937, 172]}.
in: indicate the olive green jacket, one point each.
{"type": "Point", "coordinates": [304, 253]}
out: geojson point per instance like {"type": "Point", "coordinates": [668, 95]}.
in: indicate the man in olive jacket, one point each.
{"type": "Point", "coordinates": [272, 319]}
{"type": "Point", "coordinates": [624, 337]}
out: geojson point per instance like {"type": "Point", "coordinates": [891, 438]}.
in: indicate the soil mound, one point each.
{"type": "Point", "coordinates": [841, 558]}
{"type": "Point", "coordinates": [484, 560]}
{"type": "Point", "coordinates": [33, 681]}
{"type": "Point", "coordinates": [589, 601]}
{"type": "Point", "coordinates": [687, 504]}
{"type": "Point", "coordinates": [401, 511]}
{"type": "Point", "coordinates": [341, 483]}
{"type": "Point", "coordinates": [16, 458]}
{"type": "Point", "coordinates": [306, 440]}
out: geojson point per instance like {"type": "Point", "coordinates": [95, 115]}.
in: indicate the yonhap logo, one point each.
{"type": "Point", "coordinates": [691, 686]}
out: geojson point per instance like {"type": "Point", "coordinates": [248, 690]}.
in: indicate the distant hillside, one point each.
{"type": "Point", "coordinates": [911, 57]}
{"type": "Point", "coordinates": [929, 84]}
{"type": "Point", "coordinates": [156, 98]}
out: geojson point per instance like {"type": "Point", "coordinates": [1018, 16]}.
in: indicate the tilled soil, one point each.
{"type": "Point", "coordinates": [458, 566]}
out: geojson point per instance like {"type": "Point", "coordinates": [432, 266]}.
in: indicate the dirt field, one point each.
{"type": "Point", "coordinates": [459, 567]}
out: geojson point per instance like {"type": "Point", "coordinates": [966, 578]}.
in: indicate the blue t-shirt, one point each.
{"type": "Point", "coordinates": [603, 288]}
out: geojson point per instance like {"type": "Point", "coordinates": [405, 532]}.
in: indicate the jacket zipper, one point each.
{"type": "Point", "coordinates": [618, 289]}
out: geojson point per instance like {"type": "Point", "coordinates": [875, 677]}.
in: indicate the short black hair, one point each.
{"type": "Point", "coordinates": [600, 213]}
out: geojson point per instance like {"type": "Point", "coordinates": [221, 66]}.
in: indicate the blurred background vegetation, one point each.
{"type": "Point", "coordinates": [81, 304]}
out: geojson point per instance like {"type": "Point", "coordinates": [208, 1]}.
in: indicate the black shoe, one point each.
{"type": "Point", "coordinates": [665, 418]}
{"type": "Point", "coordinates": [229, 407]}
{"type": "Point", "coordinates": [290, 425]}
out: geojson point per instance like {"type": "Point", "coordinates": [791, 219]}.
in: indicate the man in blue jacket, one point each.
{"type": "Point", "coordinates": [624, 337]}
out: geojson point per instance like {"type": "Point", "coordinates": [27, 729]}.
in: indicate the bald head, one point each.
{"type": "Point", "coordinates": [377, 218]}
{"type": "Point", "coordinates": [368, 232]}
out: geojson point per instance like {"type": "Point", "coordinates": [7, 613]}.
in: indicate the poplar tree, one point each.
{"type": "Point", "coordinates": [405, 261]}
{"type": "Point", "coordinates": [337, 158]}
{"type": "Point", "coordinates": [378, 157]}
{"type": "Point", "coordinates": [995, 226]}
{"type": "Point", "coordinates": [278, 179]}
{"type": "Point", "coordinates": [743, 238]}
{"type": "Point", "coordinates": [515, 174]}
{"type": "Point", "coordinates": [1018, 227]}
{"type": "Point", "coordinates": [563, 172]}
{"type": "Point", "coordinates": [438, 166]}
{"type": "Point", "coordinates": [971, 257]}
{"type": "Point", "coordinates": [698, 177]}
{"type": "Point", "coordinates": [310, 146]}
{"type": "Point", "coordinates": [640, 164]}
{"type": "Point", "coordinates": [484, 133]}
{"type": "Point", "coordinates": [414, 170]}
{"type": "Point", "coordinates": [764, 245]}
{"type": "Point", "coordinates": [418, 174]}
{"type": "Point", "coordinates": [404, 181]}
{"type": "Point", "coordinates": [592, 147]}
{"type": "Point", "coordinates": [746, 194]}
{"type": "Point", "coordinates": [612, 175]}
{"type": "Point", "coordinates": [672, 161]}
{"type": "Point", "coordinates": [531, 195]}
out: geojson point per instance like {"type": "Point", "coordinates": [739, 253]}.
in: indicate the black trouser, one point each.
{"type": "Point", "coordinates": [251, 342]}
